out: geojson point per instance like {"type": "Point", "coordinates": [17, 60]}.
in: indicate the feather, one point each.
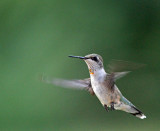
{"type": "Point", "coordinates": [73, 84]}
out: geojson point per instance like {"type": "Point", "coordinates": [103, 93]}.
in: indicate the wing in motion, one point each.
{"type": "Point", "coordinates": [119, 68]}
{"type": "Point", "coordinates": [74, 84]}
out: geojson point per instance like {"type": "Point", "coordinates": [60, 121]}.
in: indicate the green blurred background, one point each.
{"type": "Point", "coordinates": [36, 37]}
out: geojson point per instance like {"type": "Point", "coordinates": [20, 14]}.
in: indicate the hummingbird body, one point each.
{"type": "Point", "coordinates": [102, 84]}
{"type": "Point", "coordinates": [107, 96]}
{"type": "Point", "coordinates": [98, 84]}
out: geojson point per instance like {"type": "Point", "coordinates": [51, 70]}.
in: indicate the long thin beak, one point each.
{"type": "Point", "coordinates": [80, 57]}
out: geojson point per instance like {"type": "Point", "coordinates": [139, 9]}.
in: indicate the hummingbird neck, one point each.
{"type": "Point", "coordinates": [98, 74]}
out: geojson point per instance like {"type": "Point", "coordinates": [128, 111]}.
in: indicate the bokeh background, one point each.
{"type": "Point", "coordinates": [36, 37]}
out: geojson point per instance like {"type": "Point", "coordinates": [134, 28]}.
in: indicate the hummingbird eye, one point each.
{"type": "Point", "coordinates": [94, 58]}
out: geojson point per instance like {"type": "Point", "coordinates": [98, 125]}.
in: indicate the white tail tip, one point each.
{"type": "Point", "coordinates": [143, 116]}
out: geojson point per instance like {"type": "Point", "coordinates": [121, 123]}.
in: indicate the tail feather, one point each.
{"type": "Point", "coordinates": [127, 106]}
{"type": "Point", "coordinates": [130, 108]}
{"type": "Point", "coordinates": [138, 113]}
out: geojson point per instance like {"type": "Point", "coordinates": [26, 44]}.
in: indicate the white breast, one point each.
{"type": "Point", "coordinates": [99, 88]}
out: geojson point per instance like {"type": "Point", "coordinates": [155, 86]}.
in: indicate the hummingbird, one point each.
{"type": "Point", "coordinates": [102, 83]}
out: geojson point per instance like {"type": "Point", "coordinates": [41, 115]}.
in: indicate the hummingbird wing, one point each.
{"type": "Point", "coordinates": [119, 68]}
{"type": "Point", "coordinates": [73, 84]}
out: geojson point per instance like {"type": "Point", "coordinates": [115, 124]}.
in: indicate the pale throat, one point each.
{"type": "Point", "coordinates": [98, 74]}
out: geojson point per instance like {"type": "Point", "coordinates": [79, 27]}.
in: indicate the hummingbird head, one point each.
{"type": "Point", "coordinates": [93, 61]}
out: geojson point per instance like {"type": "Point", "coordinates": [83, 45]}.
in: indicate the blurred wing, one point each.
{"type": "Point", "coordinates": [122, 66]}
{"type": "Point", "coordinates": [118, 75]}
{"type": "Point", "coordinates": [119, 68]}
{"type": "Point", "coordinates": [74, 84]}
{"type": "Point", "coordinates": [110, 81]}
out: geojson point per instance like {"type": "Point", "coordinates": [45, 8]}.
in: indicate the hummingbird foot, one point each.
{"type": "Point", "coordinates": [106, 107]}
{"type": "Point", "coordinates": [112, 106]}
